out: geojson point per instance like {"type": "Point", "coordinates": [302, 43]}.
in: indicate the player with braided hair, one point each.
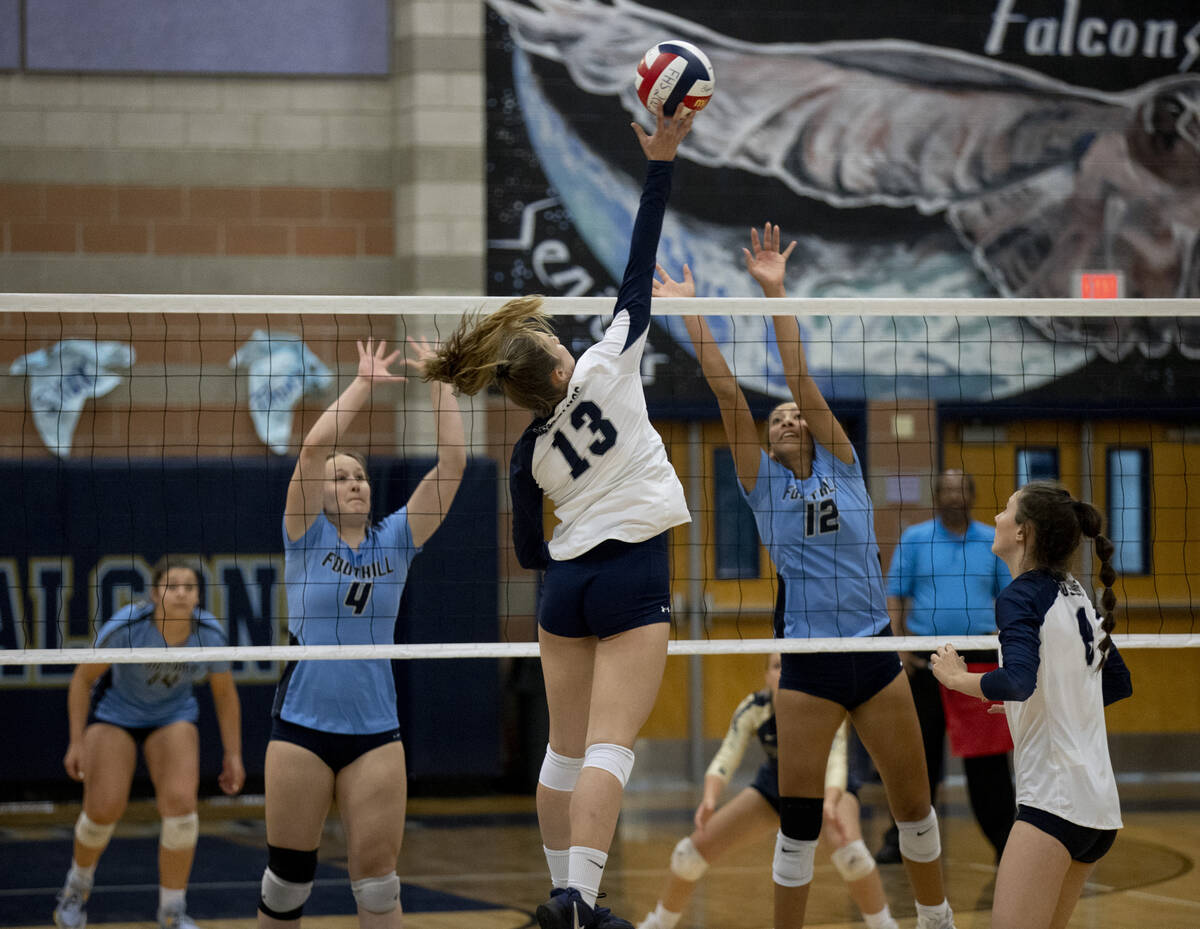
{"type": "Point", "coordinates": [1059, 670]}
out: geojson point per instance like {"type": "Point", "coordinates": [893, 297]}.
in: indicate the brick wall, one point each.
{"type": "Point", "coordinates": [189, 220]}
{"type": "Point", "coordinates": [163, 183]}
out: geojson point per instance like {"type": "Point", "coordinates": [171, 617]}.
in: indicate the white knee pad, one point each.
{"type": "Point", "coordinates": [91, 834]}
{"type": "Point", "coordinates": [617, 760]}
{"type": "Point", "coordinates": [921, 841]}
{"type": "Point", "coordinates": [793, 865]}
{"type": "Point", "coordinates": [853, 861]}
{"type": "Point", "coordinates": [283, 897]}
{"type": "Point", "coordinates": [180, 831]}
{"type": "Point", "coordinates": [377, 894]}
{"type": "Point", "coordinates": [686, 861]}
{"type": "Point", "coordinates": [558, 771]}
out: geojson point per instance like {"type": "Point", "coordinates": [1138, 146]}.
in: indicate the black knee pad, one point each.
{"type": "Point", "coordinates": [800, 817]}
{"type": "Point", "coordinates": [287, 882]}
{"type": "Point", "coordinates": [292, 865]}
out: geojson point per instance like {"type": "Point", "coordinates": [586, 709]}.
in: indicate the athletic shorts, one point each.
{"type": "Point", "coordinates": [1083, 843]}
{"type": "Point", "coordinates": [847, 678]}
{"type": "Point", "coordinates": [766, 782]}
{"type": "Point", "coordinates": [336, 749]}
{"type": "Point", "coordinates": [612, 588]}
{"type": "Point", "coordinates": [139, 734]}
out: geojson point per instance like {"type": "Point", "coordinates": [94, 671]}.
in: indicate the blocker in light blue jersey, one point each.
{"type": "Point", "coordinates": [157, 694]}
{"type": "Point", "coordinates": [820, 532]}
{"type": "Point", "coordinates": [339, 596]}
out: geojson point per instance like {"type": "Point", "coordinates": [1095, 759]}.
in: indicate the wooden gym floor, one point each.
{"type": "Point", "coordinates": [478, 862]}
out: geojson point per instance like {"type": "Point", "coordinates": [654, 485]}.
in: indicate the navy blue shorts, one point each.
{"type": "Point", "coordinates": [614, 587]}
{"type": "Point", "coordinates": [1082, 843]}
{"type": "Point", "coordinates": [336, 749]}
{"type": "Point", "coordinates": [848, 678]}
{"type": "Point", "coordinates": [766, 782]}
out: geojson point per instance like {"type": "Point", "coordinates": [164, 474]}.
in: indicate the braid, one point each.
{"type": "Point", "coordinates": [1108, 599]}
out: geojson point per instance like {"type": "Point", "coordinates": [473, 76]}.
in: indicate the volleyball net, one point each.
{"type": "Point", "coordinates": [138, 426]}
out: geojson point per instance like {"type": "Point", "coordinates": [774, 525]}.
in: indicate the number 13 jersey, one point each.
{"type": "Point", "coordinates": [596, 456]}
{"type": "Point", "coordinates": [599, 459]}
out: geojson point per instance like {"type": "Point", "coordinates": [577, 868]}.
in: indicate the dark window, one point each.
{"type": "Point", "coordinates": [736, 534]}
{"type": "Point", "coordinates": [1036, 464]}
{"type": "Point", "coordinates": [1129, 509]}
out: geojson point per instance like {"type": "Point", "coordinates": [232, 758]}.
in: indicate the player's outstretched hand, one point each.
{"type": "Point", "coordinates": [668, 133]}
{"type": "Point", "coordinates": [373, 362]}
{"type": "Point", "coordinates": [765, 262]}
{"type": "Point", "coordinates": [423, 353]}
{"type": "Point", "coordinates": [669, 287]}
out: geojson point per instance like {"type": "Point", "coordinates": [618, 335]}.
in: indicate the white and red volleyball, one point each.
{"type": "Point", "coordinates": [674, 74]}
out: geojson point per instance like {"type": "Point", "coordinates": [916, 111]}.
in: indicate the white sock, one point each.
{"type": "Point", "coordinates": [881, 920]}
{"type": "Point", "coordinates": [933, 915]}
{"type": "Point", "coordinates": [81, 877]}
{"type": "Point", "coordinates": [585, 870]}
{"type": "Point", "coordinates": [557, 860]}
{"type": "Point", "coordinates": [666, 919]}
{"type": "Point", "coordinates": [170, 899]}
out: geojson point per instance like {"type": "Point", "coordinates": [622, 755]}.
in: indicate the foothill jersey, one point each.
{"type": "Point", "coordinates": [339, 596]}
{"type": "Point", "coordinates": [596, 456]}
{"type": "Point", "coordinates": [820, 531]}
{"type": "Point", "coordinates": [1055, 698]}
{"type": "Point", "coordinates": [157, 693]}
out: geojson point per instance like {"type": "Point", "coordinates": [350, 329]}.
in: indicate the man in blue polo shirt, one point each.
{"type": "Point", "coordinates": [943, 581]}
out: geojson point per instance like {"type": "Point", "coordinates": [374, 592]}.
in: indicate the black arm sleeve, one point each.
{"type": "Point", "coordinates": [529, 540]}
{"type": "Point", "coordinates": [636, 286]}
{"type": "Point", "coordinates": [1115, 678]}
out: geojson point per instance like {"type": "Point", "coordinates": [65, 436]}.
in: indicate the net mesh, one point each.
{"type": "Point", "coordinates": [136, 426]}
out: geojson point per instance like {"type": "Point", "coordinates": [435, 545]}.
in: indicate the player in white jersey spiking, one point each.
{"type": "Point", "coordinates": [1059, 669]}
{"type": "Point", "coordinates": [604, 608]}
{"type": "Point", "coordinates": [811, 506]}
{"type": "Point", "coordinates": [114, 709]}
{"type": "Point", "coordinates": [336, 735]}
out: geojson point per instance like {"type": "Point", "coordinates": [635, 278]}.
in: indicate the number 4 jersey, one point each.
{"type": "Point", "coordinates": [341, 596]}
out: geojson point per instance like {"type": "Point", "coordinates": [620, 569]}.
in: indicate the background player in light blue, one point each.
{"type": "Point", "coordinates": [604, 608]}
{"type": "Point", "coordinates": [813, 513]}
{"type": "Point", "coordinates": [336, 734]}
{"type": "Point", "coordinates": [114, 708]}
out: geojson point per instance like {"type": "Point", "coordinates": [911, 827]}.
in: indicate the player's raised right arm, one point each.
{"type": "Point", "coordinates": [305, 490]}
{"type": "Point", "coordinates": [735, 411]}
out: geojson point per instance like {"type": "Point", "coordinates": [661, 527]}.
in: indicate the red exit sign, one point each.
{"type": "Point", "coordinates": [1099, 285]}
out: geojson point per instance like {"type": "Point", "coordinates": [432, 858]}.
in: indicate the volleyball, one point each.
{"type": "Point", "coordinates": [673, 74]}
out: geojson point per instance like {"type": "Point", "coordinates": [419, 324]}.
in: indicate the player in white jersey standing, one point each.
{"type": "Point", "coordinates": [1059, 669]}
{"type": "Point", "coordinates": [604, 610]}
{"type": "Point", "coordinates": [115, 708]}
{"type": "Point", "coordinates": [814, 515]}
{"type": "Point", "coordinates": [336, 731]}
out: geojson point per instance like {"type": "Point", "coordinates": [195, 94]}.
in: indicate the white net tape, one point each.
{"type": "Point", "coordinates": [915, 643]}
